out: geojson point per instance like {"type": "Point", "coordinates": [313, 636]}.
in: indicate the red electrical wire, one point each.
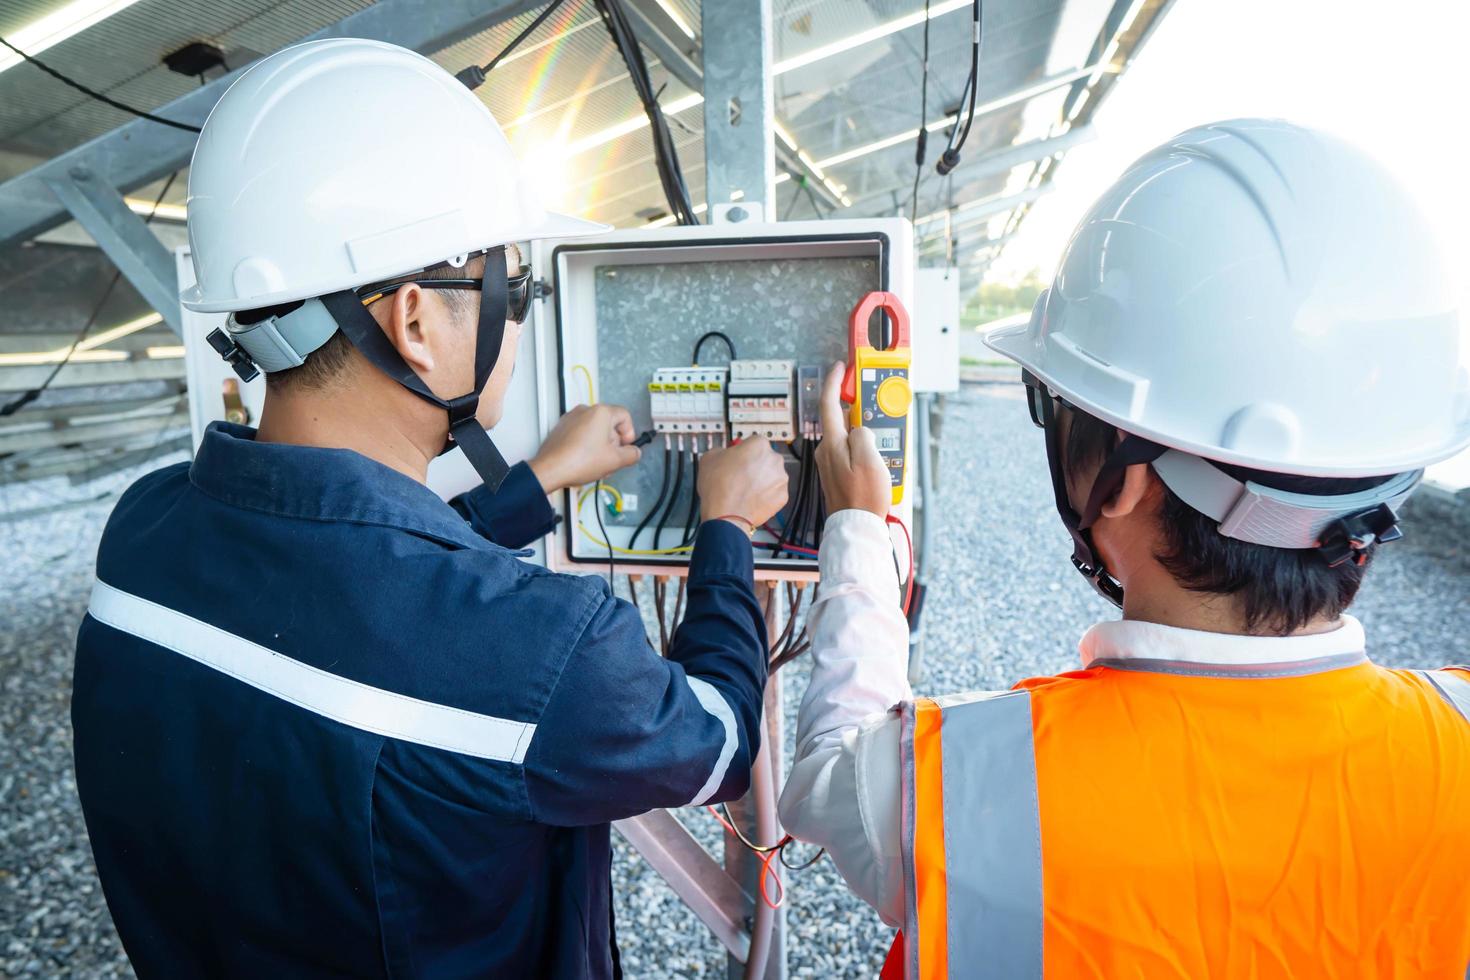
{"type": "Point", "coordinates": [908, 590]}
{"type": "Point", "coordinates": [766, 853]}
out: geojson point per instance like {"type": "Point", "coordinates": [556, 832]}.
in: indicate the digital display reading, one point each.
{"type": "Point", "coordinates": [889, 438]}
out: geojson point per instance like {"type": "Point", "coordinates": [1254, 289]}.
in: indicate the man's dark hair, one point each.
{"type": "Point", "coordinates": [1279, 590]}
{"type": "Point", "coordinates": [325, 364]}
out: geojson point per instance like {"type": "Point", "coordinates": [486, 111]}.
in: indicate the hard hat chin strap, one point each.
{"type": "Point", "coordinates": [465, 430]}
{"type": "Point", "coordinates": [1085, 558]}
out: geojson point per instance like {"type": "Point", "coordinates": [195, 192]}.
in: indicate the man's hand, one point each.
{"type": "Point", "coordinates": [588, 443]}
{"type": "Point", "coordinates": [853, 474]}
{"type": "Point", "coordinates": [748, 481]}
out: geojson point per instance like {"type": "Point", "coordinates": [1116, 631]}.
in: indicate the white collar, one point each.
{"type": "Point", "coordinates": [1131, 639]}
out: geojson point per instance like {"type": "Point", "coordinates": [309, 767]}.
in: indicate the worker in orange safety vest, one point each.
{"type": "Point", "coordinates": [1248, 356]}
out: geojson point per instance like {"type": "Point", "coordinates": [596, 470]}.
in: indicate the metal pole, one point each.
{"type": "Point", "coordinates": [739, 130]}
{"type": "Point", "coordinates": [928, 507]}
{"type": "Point", "coordinates": [757, 819]}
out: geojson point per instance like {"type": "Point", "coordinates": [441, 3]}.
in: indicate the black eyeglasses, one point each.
{"type": "Point", "coordinates": [518, 291]}
{"type": "Point", "coordinates": [1037, 399]}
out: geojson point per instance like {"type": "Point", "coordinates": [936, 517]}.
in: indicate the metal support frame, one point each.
{"type": "Point", "coordinates": [132, 247]}
{"type": "Point", "coordinates": [140, 152]}
{"type": "Point", "coordinates": [1001, 161]}
{"type": "Point", "coordinates": [739, 110]}
{"type": "Point", "coordinates": [755, 815]}
{"type": "Point", "coordinates": [727, 899]}
{"type": "Point", "coordinates": [928, 511]}
{"type": "Point", "coordinates": [695, 877]}
{"type": "Point", "coordinates": [649, 24]}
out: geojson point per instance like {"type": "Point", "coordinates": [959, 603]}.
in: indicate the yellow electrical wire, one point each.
{"type": "Point", "coordinates": [591, 388]}
{"type": "Point", "coordinates": [617, 497]}
{"type": "Point", "coordinates": [618, 500]}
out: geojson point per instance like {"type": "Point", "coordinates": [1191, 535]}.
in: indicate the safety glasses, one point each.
{"type": "Point", "coordinates": [518, 289]}
{"type": "Point", "coordinates": [1041, 403]}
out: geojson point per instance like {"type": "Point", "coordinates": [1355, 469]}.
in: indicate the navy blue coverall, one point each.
{"type": "Point", "coordinates": [328, 725]}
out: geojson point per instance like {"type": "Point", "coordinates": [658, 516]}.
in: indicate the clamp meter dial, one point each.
{"type": "Point", "coordinates": [876, 384]}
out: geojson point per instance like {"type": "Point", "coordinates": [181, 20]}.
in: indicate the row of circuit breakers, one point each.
{"type": "Point", "coordinates": [771, 398]}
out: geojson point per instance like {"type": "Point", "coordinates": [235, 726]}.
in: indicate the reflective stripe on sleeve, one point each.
{"type": "Point", "coordinates": [1454, 687]}
{"type": "Point", "coordinates": [992, 837]}
{"type": "Point", "coordinates": [712, 702]}
{"type": "Point", "coordinates": [321, 692]}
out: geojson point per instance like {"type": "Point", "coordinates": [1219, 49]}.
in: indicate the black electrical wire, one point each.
{"type": "Point", "coordinates": [94, 94]}
{"type": "Point", "coordinates": [713, 335]}
{"type": "Point", "coordinates": [678, 608]}
{"type": "Point", "coordinates": [950, 158]}
{"type": "Point", "coordinates": [673, 499]}
{"type": "Point", "coordinates": [597, 510]}
{"type": "Point", "coordinates": [26, 397]}
{"type": "Point", "coordinates": [666, 156]}
{"type": "Point", "coordinates": [799, 867]}
{"type": "Point", "coordinates": [658, 605]}
{"type": "Point", "coordinates": [787, 533]}
{"type": "Point", "coordinates": [473, 76]}
{"type": "Point", "coordinates": [663, 489]}
{"type": "Point", "coordinates": [923, 144]}
{"type": "Point", "coordinates": [691, 517]}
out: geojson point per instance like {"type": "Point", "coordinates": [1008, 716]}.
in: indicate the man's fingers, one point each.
{"type": "Point", "coordinates": [628, 455]}
{"type": "Point", "coordinates": [834, 418]}
{"type": "Point", "coordinates": [623, 424]}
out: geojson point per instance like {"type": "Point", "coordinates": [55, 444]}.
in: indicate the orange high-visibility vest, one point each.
{"type": "Point", "coordinates": [1158, 819]}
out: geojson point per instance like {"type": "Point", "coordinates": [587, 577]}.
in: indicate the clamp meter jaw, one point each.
{"type": "Point", "coordinates": [876, 384]}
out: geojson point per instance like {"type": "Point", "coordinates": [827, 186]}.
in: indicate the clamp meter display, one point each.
{"type": "Point", "coordinates": [876, 384]}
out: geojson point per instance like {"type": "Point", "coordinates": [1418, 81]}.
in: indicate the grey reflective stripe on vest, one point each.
{"type": "Point", "coordinates": [992, 836]}
{"type": "Point", "coordinates": [333, 696]}
{"type": "Point", "coordinates": [1454, 687]}
{"type": "Point", "coordinates": [906, 831]}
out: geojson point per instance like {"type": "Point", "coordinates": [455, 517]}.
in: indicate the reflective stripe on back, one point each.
{"type": "Point", "coordinates": [330, 695]}
{"type": "Point", "coordinates": [971, 838]}
{"type": "Point", "coordinates": [992, 838]}
{"type": "Point", "coordinates": [1454, 687]}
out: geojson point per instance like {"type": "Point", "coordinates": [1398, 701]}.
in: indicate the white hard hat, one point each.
{"type": "Point", "coordinates": [299, 186]}
{"type": "Point", "coordinates": [1258, 294]}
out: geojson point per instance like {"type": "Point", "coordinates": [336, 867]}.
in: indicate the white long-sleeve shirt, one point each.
{"type": "Point", "coordinates": [843, 792]}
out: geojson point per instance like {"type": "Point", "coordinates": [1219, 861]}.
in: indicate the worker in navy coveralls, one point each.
{"type": "Point", "coordinates": [327, 724]}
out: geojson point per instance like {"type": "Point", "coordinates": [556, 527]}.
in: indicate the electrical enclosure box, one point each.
{"type": "Point", "coordinates": [934, 319]}
{"type": "Point", "coordinates": [626, 305]}
{"type": "Point", "coordinates": [625, 312]}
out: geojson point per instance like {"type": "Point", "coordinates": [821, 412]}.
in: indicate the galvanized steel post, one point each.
{"type": "Point", "coordinates": [739, 131]}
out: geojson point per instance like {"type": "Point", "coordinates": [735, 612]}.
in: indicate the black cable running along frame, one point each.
{"type": "Point", "coordinates": [92, 93]}
{"type": "Point", "coordinates": [568, 548]}
{"type": "Point", "coordinates": [950, 158]}
{"type": "Point", "coordinates": [666, 155]}
{"type": "Point", "coordinates": [26, 397]}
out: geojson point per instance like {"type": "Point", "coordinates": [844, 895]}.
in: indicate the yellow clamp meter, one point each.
{"type": "Point", "coordinates": [877, 383]}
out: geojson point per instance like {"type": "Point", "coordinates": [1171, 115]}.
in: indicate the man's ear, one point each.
{"type": "Point", "coordinates": [1138, 483]}
{"type": "Point", "coordinates": [405, 328]}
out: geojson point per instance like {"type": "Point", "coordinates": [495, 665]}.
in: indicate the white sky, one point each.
{"type": "Point", "coordinates": [1389, 76]}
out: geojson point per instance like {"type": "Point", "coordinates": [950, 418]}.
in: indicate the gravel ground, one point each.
{"type": "Point", "coordinates": [1003, 605]}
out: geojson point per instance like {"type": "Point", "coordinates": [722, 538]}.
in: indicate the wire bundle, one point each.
{"type": "Point", "coordinates": [801, 535]}
{"type": "Point", "coordinates": [666, 157]}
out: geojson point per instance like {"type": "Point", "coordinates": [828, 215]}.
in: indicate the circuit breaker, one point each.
{"type": "Point", "coordinates": [763, 400]}
{"type": "Point", "coordinates": [688, 401]}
